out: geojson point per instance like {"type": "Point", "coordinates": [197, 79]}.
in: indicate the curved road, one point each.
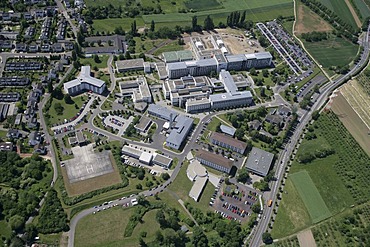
{"type": "Point", "coordinates": [284, 156]}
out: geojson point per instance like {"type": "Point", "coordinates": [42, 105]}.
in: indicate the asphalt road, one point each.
{"type": "Point", "coordinates": [283, 159]}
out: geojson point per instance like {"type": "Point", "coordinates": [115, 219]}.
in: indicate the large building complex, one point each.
{"type": "Point", "coordinates": [146, 157]}
{"type": "Point", "coordinates": [162, 112]}
{"type": "Point", "coordinates": [228, 142]}
{"type": "Point", "coordinates": [259, 161]}
{"type": "Point", "coordinates": [85, 82]}
{"type": "Point", "coordinates": [138, 90]}
{"type": "Point", "coordinates": [214, 161]}
{"type": "Point", "coordinates": [179, 132]}
{"type": "Point", "coordinates": [217, 63]}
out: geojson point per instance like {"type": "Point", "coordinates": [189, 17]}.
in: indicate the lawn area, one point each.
{"type": "Point", "coordinates": [288, 26]}
{"type": "Point", "coordinates": [341, 9]}
{"type": "Point", "coordinates": [332, 52]}
{"type": "Point", "coordinates": [5, 230]}
{"type": "Point", "coordinates": [182, 185]}
{"type": "Point", "coordinates": [310, 195]}
{"type": "Point", "coordinates": [146, 44]}
{"type": "Point", "coordinates": [292, 214]}
{"type": "Point", "coordinates": [174, 46]}
{"type": "Point", "coordinates": [90, 61]}
{"type": "Point", "coordinates": [108, 25]}
{"type": "Point", "coordinates": [3, 133]}
{"type": "Point", "coordinates": [70, 110]}
{"type": "Point", "coordinates": [103, 229]}
{"type": "Point", "coordinates": [50, 239]}
{"type": "Point", "coordinates": [212, 126]}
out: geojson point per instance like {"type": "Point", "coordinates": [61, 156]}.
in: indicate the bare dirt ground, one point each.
{"type": "Point", "coordinates": [308, 21]}
{"type": "Point", "coordinates": [354, 14]}
{"type": "Point", "coordinates": [306, 239]}
{"type": "Point", "coordinates": [351, 121]}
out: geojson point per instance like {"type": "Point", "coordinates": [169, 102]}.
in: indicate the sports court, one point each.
{"type": "Point", "coordinates": [87, 164]}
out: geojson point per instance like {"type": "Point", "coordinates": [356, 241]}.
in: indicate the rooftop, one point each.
{"type": "Point", "coordinates": [214, 158]}
{"type": "Point", "coordinates": [143, 123]}
{"type": "Point", "coordinates": [227, 130]}
{"type": "Point", "coordinates": [85, 77]}
{"type": "Point", "coordinates": [132, 63]}
{"type": "Point", "coordinates": [259, 161]}
{"type": "Point", "coordinates": [181, 129]}
{"type": "Point", "coordinates": [228, 140]}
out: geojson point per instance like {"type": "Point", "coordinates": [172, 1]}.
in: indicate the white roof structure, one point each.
{"type": "Point", "coordinates": [84, 77]}
{"type": "Point", "coordinates": [198, 187]}
{"type": "Point", "coordinates": [146, 158]}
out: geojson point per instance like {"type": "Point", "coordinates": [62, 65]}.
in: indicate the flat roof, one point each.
{"type": "Point", "coordinates": [131, 151]}
{"type": "Point", "coordinates": [181, 129]}
{"type": "Point", "coordinates": [228, 140]}
{"type": "Point", "coordinates": [228, 82]}
{"type": "Point", "coordinates": [226, 96]}
{"type": "Point", "coordinates": [227, 129]}
{"type": "Point", "coordinates": [84, 77]}
{"type": "Point", "coordinates": [259, 161]}
{"type": "Point", "coordinates": [198, 187]}
{"type": "Point", "coordinates": [146, 157]}
{"type": "Point", "coordinates": [162, 160]}
{"type": "Point", "coordinates": [130, 64]}
{"type": "Point", "coordinates": [143, 123]}
{"type": "Point", "coordinates": [215, 159]}
{"type": "Point", "coordinates": [161, 111]}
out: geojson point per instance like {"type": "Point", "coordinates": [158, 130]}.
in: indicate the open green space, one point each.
{"type": "Point", "coordinates": [310, 195]}
{"type": "Point", "coordinates": [173, 46]}
{"type": "Point", "coordinates": [362, 7]}
{"type": "Point", "coordinates": [332, 52]}
{"type": "Point", "coordinates": [292, 214]}
{"type": "Point", "coordinates": [69, 110]}
{"type": "Point", "coordinates": [202, 5]}
{"type": "Point", "coordinates": [103, 59]}
{"type": "Point", "coordinates": [288, 26]}
{"type": "Point", "coordinates": [341, 9]}
{"type": "Point", "coordinates": [3, 133]}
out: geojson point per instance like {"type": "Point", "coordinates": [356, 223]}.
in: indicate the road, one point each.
{"type": "Point", "coordinates": [284, 156]}
{"type": "Point", "coordinates": [66, 15]}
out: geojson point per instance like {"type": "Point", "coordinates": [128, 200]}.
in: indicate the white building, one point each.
{"type": "Point", "coordinates": [85, 82]}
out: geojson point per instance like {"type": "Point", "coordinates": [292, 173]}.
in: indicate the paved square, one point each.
{"type": "Point", "coordinates": [87, 164]}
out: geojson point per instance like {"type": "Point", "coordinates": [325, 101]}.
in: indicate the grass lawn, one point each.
{"type": "Point", "coordinates": [3, 133]}
{"type": "Point", "coordinates": [146, 44]}
{"type": "Point", "coordinates": [182, 185]}
{"type": "Point", "coordinates": [288, 26]}
{"type": "Point", "coordinates": [174, 46]}
{"type": "Point", "coordinates": [310, 195]}
{"type": "Point", "coordinates": [292, 214]}
{"type": "Point", "coordinates": [5, 230]}
{"type": "Point", "coordinates": [103, 229]}
{"type": "Point", "coordinates": [332, 52]}
{"type": "Point", "coordinates": [108, 25]}
{"type": "Point", "coordinates": [69, 109]}
{"type": "Point", "coordinates": [213, 124]}
{"type": "Point", "coordinates": [51, 239]}
{"type": "Point", "coordinates": [267, 80]}
{"type": "Point", "coordinates": [90, 61]}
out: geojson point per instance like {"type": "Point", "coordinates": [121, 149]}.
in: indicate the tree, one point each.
{"type": "Point", "coordinates": [68, 99]}
{"type": "Point", "coordinates": [253, 72]}
{"type": "Point", "coordinates": [266, 238]}
{"type": "Point", "coordinates": [315, 115]}
{"type": "Point", "coordinates": [199, 238]}
{"type": "Point", "coordinates": [194, 23]}
{"type": "Point", "coordinates": [58, 108]}
{"type": "Point", "coordinates": [57, 93]}
{"type": "Point", "coordinates": [208, 23]}
{"type": "Point", "coordinates": [265, 73]}
{"type": "Point", "coordinates": [161, 219]}
{"type": "Point", "coordinates": [16, 222]}
{"type": "Point", "coordinates": [119, 30]}
{"type": "Point", "coordinates": [165, 176]}
{"type": "Point", "coordinates": [243, 176]}
{"type": "Point", "coordinates": [239, 133]}
{"type": "Point", "coordinates": [50, 87]}
{"type": "Point", "coordinates": [133, 28]}
{"type": "Point", "coordinates": [152, 26]}
{"type": "Point", "coordinates": [96, 59]}
{"type": "Point", "coordinates": [142, 243]}
{"type": "Point", "coordinates": [256, 208]}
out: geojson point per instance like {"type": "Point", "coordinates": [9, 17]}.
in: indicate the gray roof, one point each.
{"type": "Point", "coordinates": [84, 77]}
{"type": "Point", "coordinates": [260, 55]}
{"type": "Point", "coordinates": [162, 112]}
{"type": "Point", "coordinates": [226, 96]}
{"type": "Point", "coordinates": [259, 161]}
{"type": "Point", "coordinates": [180, 131]}
{"type": "Point", "coordinates": [236, 58]}
{"type": "Point", "coordinates": [162, 160]}
{"type": "Point", "coordinates": [178, 65]}
{"type": "Point", "coordinates": [228, 82]}
{"type": "Point", "coordinates": [227, 130]}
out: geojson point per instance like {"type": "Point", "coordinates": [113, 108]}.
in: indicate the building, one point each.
{"type": "Point", "coordinates": [197, 105]}
{"type": "Point", "coordinates": [14, 81]}
{"type": "Point", "coordinates": [162, 160]}
{"type": "Point", "coordinates": [138, 90]}
{"type": "Point", "coordinates": [143, 125]}
{"type": "Point", "coordinates": [131, 152]}
{"type": "Point", "coordinates": [146, 158]}
{"type": "Point", "coordinates": [113, 44]}
{"type": "Point", "coordinates": [199, 175]}
{"type": "Point", "coordinates": [179, 132]}
{"type": "Point", "coordinates": [161, 70]}
{"type": "Point", "coordinates": [227, 130]}
{"type": "Point", "coordinates": [85, 82]}
{"type": "Point", "coordinates": [193, 68]}
{"type": "Point", "coordinates": [214, 161]}
{"type": "Point", "coordinates": [259, 161]}
{"type": "Point", "coordinates": [185, 88]}
{"type": "Point", "coordinates": [80, 138]}
{"type": "Point", "coordinates": [13, 134]}
{"type": "Point", "coordinates": [6, 146]}
{"type": "Point", "coordinates": [23, 66]}
{"type": "Point", "coordinates": [130, 65]}
{"type": "Point", "coordinates": [4, 108]}
{"type": "Point", "coordinates": [228, 142]}
{"type": "Point", "coordinates": [35, 138]}
{"type": "Point", "coordinates": [162, 112]}
{"type": "Point", "coordinates": [10, 97]}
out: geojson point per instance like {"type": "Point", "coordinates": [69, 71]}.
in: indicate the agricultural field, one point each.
{"type": "Point", "coordinates": [310, 195]}
{"type": "Point", "coordinates": [347, 229]}
{"type": "Point", "coordinates": [341, 9]}
{"type": "Point", "coordinates": [335, 176]}
{"type": "Point", "coordinates": [308, 21]}
{"type": "Point", "coordinates": [290, 242]}
{"type": "Point", "coordinates": [352, 106]}
{"type": "Point", "coordinates": [362, 7]}
{"type": "Point", "coordinates": [332, 52]}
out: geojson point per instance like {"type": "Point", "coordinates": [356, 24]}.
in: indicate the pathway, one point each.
{"type": "Point", "coordinates": [354, 14]}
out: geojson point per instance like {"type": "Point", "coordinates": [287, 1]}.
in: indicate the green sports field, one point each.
{"type": "Point", "coordinates": [311, 197]}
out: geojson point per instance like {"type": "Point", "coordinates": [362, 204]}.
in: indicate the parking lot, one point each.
{"type": "Point", "coordinates": [234, 202]}
{"type": "Point", "coordinates": [118, 123]}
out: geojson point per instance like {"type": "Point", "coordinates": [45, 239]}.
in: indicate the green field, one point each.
{"type": "Point", "coordinates": [69, 109]}
{"type": "Point", "coordinates": [332, 52]}
{"type": "Point", "coordinates": [310, 195]}
{"type": "Point", "coordinates": [103, 59]}
{"type": "Point", "coordinates": [203, 5]}
{"type": "Point", "coordinates": [341, 9]}
{"type": "Point", "coordinates": [363, 8]}
{"type": "Point", "coordinates": [292, 214]}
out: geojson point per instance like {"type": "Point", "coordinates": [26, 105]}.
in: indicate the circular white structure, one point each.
{"type": "Point", "coordinates": [195, 169]}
